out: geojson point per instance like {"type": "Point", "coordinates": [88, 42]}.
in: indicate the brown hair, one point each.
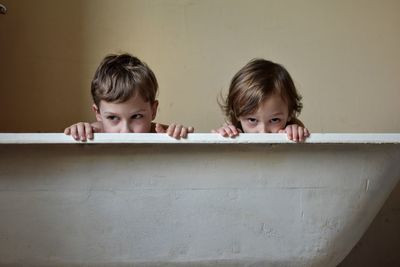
{"type": "Point", "coordinates": [119, 77]}
{"type": "Point", "coordinates": [257, 80]}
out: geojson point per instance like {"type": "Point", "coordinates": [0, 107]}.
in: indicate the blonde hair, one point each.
{"type": "Point", "coordinates": [119, 77]}
{"type": "Point", "coordinates": [257, 80]}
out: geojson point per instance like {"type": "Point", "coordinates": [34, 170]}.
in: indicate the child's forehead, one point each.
{"type": "Point", "coordinates": [274, 99]}
{"type": "Point", "coordinates": [133, 104]}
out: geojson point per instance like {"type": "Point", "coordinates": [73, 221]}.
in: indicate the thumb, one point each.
{"type": "Point", "coordinates": [67, 131]}
{"type": "Point", "coordinates": [159, 128]}
{"type": "Point", "coordinates": [97, 129]}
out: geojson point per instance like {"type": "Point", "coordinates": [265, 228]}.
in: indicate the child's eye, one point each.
{"type": "Point", "coordinates": [252, 120]}
{"type": "Point", "coordinates": [112, 118]}
{"type": "Point", "coordinates": [137, 116]}
{"type": "Point", "coordinates": [275, 120]}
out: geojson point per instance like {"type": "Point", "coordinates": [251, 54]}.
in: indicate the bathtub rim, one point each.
{"type": "Point", "coordinates": [199, 138]}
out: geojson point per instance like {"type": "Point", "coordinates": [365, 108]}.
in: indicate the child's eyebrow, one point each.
{"type": "Point", "coordinates": [116, 113]}
{"type": "Point", "coordinates": [136, 111]}
{"type": "Point", "coordinates": [277, 113]}
{"type": "Point", "coordinates": [109, 113]}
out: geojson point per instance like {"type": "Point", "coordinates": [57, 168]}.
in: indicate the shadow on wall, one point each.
{"type": "Point", "coordinates": [381, 243]}
{"type": "Point", "coordinates": [40, 74]}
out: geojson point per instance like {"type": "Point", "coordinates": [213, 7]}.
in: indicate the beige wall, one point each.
{"type": "Point", "coordinates": [343, 55]}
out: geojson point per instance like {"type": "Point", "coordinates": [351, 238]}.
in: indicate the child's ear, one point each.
{"type": "Point", "coordinates": [97, 112]}
{"type": "Point", "coordinates": [154, 107]}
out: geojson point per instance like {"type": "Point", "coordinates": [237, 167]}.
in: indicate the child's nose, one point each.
{"type": "Point", "coordinates": [264, 129]}
{"type": "Point", "coordinates": [125, 128]}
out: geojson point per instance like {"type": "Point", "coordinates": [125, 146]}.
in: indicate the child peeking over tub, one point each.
{"type": "Point", "coordinates": [124, 93]}
{"type": "Point", "coordinates": [262, 98]}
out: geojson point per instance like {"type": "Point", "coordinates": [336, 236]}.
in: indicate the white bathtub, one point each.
{"type": "Point", "coordinates": [149, 200]}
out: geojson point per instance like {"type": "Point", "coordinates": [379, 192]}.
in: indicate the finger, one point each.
{"type": "Point", "coordinates": [81, 131]}
{"type": "Point", "coordinates": [190, 129]}
{"type": "Point", "coordinates": [233, 130]}
{"type": "Point", "coordinates": [171, 129]}
{"type": "Point", "coordinates": [301, 134]}
{"type": "Point", "coordinates": [222, 132]}
{"type": "Point", "coordinates": [289, 132]}
{"type": "Point", "coordinates": [282, 131]}
{"type": "Point", "coordinates": [306, 132]}
{"type": "Point", "coordinates": [74, 132]}
{"type": "Point", "coordinates": [88, 130]}
{"type": "Point", "coordinates": [184, 132]}
{"type": "Point", "coordinates": [177, 132]}
{"type": "Point", "coordinates": [295, 134]}
{"type": "Point", "coordinates": [228, 131]}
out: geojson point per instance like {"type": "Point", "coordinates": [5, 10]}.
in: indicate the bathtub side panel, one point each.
{"type": "Point", "coordinates": [200, 205]}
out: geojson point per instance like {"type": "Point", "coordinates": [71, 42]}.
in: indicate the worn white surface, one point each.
{"type": "Point", "coordinates": [201, 204]}
{"type": "Point", "coordinates": [121, 138]}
